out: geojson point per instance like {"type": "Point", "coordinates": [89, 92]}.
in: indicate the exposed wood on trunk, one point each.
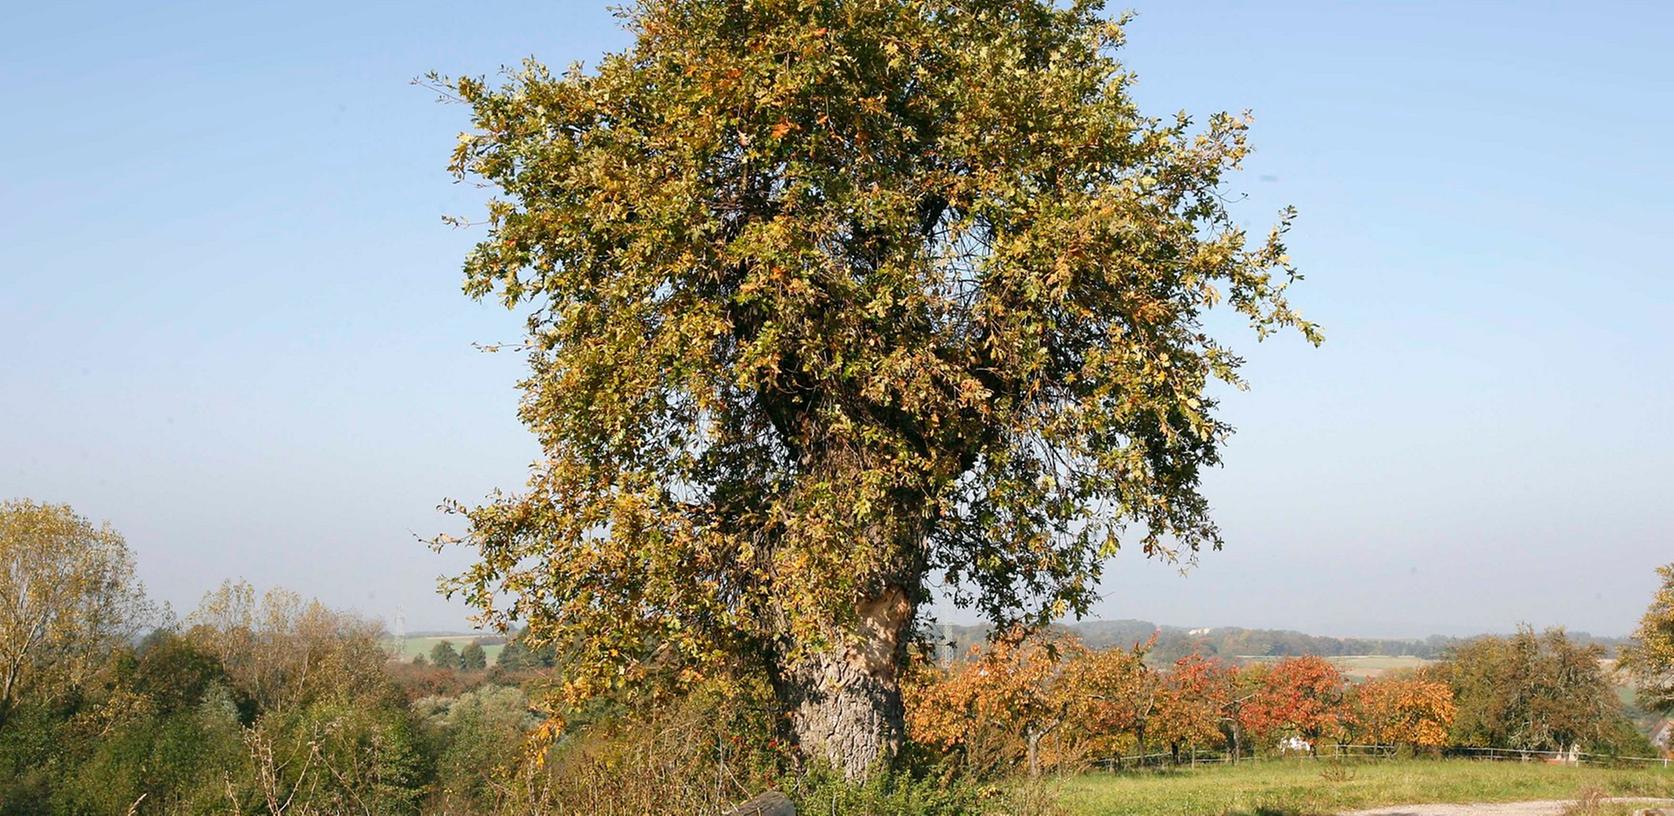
{"type": "Point", "coordinates": [846, 704]}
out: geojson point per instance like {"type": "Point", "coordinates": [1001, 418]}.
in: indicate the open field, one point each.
{"type": "Point", "coordinates": [1308, 787]}
{"type": "Point", "coordinates": [1360, 667]}
{"type": "Point", "coordinates": [415, 646]}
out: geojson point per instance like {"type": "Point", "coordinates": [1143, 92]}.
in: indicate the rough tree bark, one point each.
{"type": "Point", "coordinates": [845, 704]}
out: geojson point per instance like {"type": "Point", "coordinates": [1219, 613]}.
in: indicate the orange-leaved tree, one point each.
{"type": "Point", "coordinates": [1404, 711]}
{"type": "Point", "coordinates": [994, 708]}
{"type": "Point", "coordinates": [1041, 700]}
{"type": "Point", "coordinates": [1110, 694]}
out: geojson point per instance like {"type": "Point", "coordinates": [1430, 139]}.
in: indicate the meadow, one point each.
{"type": "Point", "coordinates": [410, 647]}
{"type": "Point", "coordinates": [1302, 787]}
{"type": "Point", "coordinates": [1358, 667]}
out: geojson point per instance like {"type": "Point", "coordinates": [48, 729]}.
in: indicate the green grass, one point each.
{"type": "Point", "coordinates": [1305, 787]}
{"type": "Point", "coordinates": [423, 645]}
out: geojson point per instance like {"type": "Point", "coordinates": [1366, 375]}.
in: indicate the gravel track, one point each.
{"type": "Point", "coordinates": [1548, 807]}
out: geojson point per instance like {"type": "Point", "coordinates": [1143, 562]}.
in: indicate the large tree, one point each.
{"type": "Point", "coordinates": [1650, 657]}
{"type": "Point", "coordinates": [68, 594]}
{"type": "Point", "coordinates": [829, 300]}
{"type": "Point", "coordinates": [1534, 692]}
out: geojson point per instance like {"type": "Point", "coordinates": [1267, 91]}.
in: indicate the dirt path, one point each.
{"type": "Point", "coordinates": [1551, 807]}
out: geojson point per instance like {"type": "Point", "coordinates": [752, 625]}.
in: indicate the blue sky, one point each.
{"type": "Point", "coordinates": [230, 319]}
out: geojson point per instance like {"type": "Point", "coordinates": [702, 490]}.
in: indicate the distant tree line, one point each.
{"type": "Point", "coordinates": [1231, 642]}
{"type": "Point", "coordinates": [515, 653]}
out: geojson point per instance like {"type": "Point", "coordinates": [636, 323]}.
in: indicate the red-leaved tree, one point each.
{"type": "Point", "coordinates": [1297, 696]}
{"type": "Point", "coordinates": [1189, 704]}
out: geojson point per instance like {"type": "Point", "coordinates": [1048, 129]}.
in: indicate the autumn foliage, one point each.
{"type": "Point", "coordinates": [1051, 703]}
{"type": "Point", "coordinates": [829, 303]}
{"type": "Point", "coordinates": [1034, 701]}
{"type": "Point", "coordinates": [1191, 704]}
{"type": "Point", "coordinates": [1410, 712]}
{"type": "Point", "coordinates": [1297, 696]}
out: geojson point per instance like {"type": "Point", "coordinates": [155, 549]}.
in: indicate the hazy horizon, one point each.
{"type": "Point", "coordinates": [234, 327]}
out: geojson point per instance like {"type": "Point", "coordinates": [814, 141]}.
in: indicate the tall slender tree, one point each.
{"type": "Point", "coordinates": [830, 300]}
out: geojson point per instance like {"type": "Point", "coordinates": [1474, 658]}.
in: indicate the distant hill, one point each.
{"type": "Point", "coordinates": [1174, 642]}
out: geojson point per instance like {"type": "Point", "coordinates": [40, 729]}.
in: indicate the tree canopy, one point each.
{"type": "Point", "coordinates": [473, 657]}
{"type": "Point", "coordinates": [444, 656]}
{"type": "Point", "coordinates": [1534, 692]}
{"type": "Point", "coordinates": [828, 301]}
{"type": "Point", "coordinates": [68, 593]}
{"type": "Point", "coordinates": [1650, 657]}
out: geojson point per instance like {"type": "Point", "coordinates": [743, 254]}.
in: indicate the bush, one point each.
{"type": "Point", "coordinates": [479, 738]}
{"type": "Point", "coordinates": [903, 793]}
{"type": "Point", "coordinates": [338, 756]}
{"type": "Point", "coordinates": [178, 762]}
{"type": "Point", "coordinates": [701, 753]}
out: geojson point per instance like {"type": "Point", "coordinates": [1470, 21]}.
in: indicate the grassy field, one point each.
{"type": "Point", "coordinates": [1360, 667]}
{"type": "Point", "coordinates": [422, 646]}
{"type": "Point", "coordinates": [1306, 788]}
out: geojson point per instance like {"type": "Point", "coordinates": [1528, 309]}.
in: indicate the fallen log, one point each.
{"type": "Point", "coordinates": [770, 803]}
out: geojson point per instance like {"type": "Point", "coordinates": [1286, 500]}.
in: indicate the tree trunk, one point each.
{"type": "Point", "coordinates": [1034, 753]}
{"type": "Point", "coordinates": [845, 704]}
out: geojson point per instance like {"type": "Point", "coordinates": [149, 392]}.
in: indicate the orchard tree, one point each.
{"type": "Point", "coordinates": [68, 594]}
{"type": "Point", "coordinates": [1190, 704]}
{"type": "Point", "coordinates": [1408, 711]}
{"type": "Point", "coordinates": [999, 704]}
{"type": "Point", "coordinates": [1298, 696]}
{"type": "Point", "coordinates": [1033, 698]}
{"type": "Point", "coordinates": [1650, 657]}
{"type": "Point", "coordinates": [830, 300]}
{"type": "Point", "coordinates": [1109, 695]}
{"type": "Point", "coordinates": [1533, 692]}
